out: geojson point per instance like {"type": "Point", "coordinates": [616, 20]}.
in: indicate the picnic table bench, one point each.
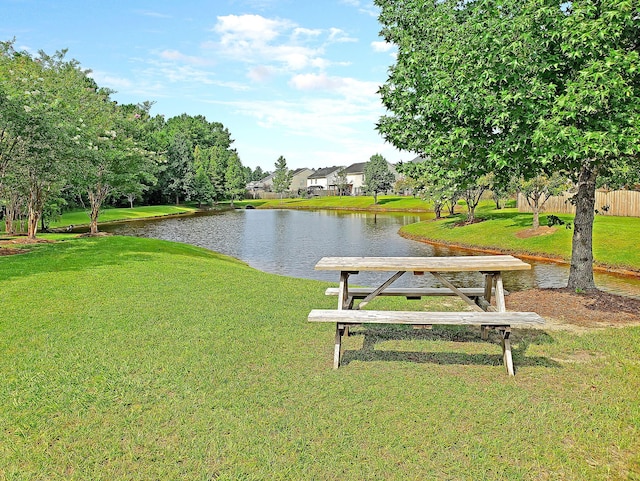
{"type": "Point", "coordinates": [484, 314]}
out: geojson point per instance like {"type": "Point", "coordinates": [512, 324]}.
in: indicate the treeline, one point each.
{"type": "Point", "coordinates": [64, 143]}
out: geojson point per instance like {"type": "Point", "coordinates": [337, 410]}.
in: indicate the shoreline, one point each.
{"type": "Point", "coordinates": [539, 257]}
{"type": "Point", "coordinates": [621, 271]}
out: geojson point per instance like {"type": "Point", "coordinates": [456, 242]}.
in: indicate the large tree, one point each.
{"type": "Point", "coordinates": [282, 176]}
{"type": "Point", "coordinates": [518, 88]}
{"type": "Point", "coordinates": [377, 176]}
{"type": "Point", "coordinates": [235, 178]}
{"type": "Point", "coordinates": [35, 126]}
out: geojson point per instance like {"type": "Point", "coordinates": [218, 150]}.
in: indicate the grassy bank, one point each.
{"type": "Point", "coordinates": [81, 217]}
{"type": "Point", "coordinates": [385, 203]}
{"type": "Point", "coordinates": [126, 358]}
{"type": "Point", "coordinates": [614, 238]}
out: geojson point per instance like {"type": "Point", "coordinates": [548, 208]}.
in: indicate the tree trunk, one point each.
{"type": "Point", "coordinates": [11, 214]}
{"type": "Point", "coordinates": [437, 209]}
{"type": "Point", "coordinates": [32, 223]}
{"type": "Point", "coordinates": [471, 213]}
{"type": "Point", "coordinates": [96, 198]}
{"type": "Point", "coordinates": [581, 271]}
{"type": "Point", "coordinates": [34, 209]}
{"type": "Point", "coordinates": [93, 223]}
{"type": "Point", "coordinates": [536, 217]}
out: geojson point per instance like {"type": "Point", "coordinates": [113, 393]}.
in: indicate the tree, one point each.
{"type": "Point", "coordinates": [179, 173]}
{"type": "Point", "coordinates": [282, 177]}
{"type": "Point", "coordinates": [539, 189]}
{"type": "Point", "coordinates": [522, 86]}
{"type": "Point", "coordinates": [235, 178]}
{"type": "Point", "coordinates": [34, 125]}
{"type": "Point", "coordinates": [377, 176]}
{"type": "Point", "coordinates": [342, 183]}
{"type": "Point", "coordinates": [109, 158]}
{"type": "Point", "coordinates": [257, 174]}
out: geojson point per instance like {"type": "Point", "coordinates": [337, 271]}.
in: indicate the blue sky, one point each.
{"type": "Point", "coordinates": [286, 77]}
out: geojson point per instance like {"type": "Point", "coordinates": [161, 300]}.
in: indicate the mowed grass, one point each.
{"type": "Point", "coordinates": [81, 217]}
{"type": "Point", "coordinates": [614, 238]}
{"type": "Point", "coordinates": [126, 358]}
{"type": "Point", "coordinates": [364, 202]}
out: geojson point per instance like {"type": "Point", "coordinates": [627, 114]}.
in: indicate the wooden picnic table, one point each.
{"type": "Point", "coordinates": [479, 298]}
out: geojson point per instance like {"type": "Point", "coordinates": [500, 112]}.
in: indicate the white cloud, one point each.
{"type": "Point", "coordinates": [110, 81]}
{"type": "Point", "coordinates": [382, 46]}
{"type": "Point", "coordinates": [260, 74]}
{"type": "Point", "coordinates": [249, 28]}
{"type": "Point", "coordinates": [352, 90]}
{"type": "Point", "coordinates": [337, 35]}
{"type": "Point", "coordinates": [280, 44]}
{"type": "Point", "coordinates": [366, 8]}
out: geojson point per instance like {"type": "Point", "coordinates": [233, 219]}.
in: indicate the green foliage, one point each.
{"type": "Point", "coordinates": [62, 136]}
{"type": "Point", "coordinates": [235, 178]}
{"type": "Point", "coordinates": [517, 88]}
{"type": "Point", "coordinates": [377, 176]}
{"type": "Point", "coordinates": [341, 181]}
{"type": "Point", "coordinates": [282, 176]}
{"type": "Point", "coordinates": [179, 171]}
{"type": "Point", "coordinates": [539, 189]}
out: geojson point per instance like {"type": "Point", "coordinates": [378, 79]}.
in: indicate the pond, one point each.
{"type": "Point", "coordinates": [290, 242]}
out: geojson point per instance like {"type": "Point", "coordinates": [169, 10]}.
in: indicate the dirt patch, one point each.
{"type": "Point", "coordinates": [566, 309]}
{"type": "Point", "coordinates": [464, 222]}
{"type": "Point", "coordinates": [7, 251]}
{"type": "Point", "coordinates": [540, 231]}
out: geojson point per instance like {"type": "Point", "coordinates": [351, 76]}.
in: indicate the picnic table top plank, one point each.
{"type": "Point", "coordinates": [492, 263]}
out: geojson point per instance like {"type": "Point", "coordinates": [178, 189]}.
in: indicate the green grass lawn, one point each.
{"type": "Point", "coordinates": [81, 217]}
{"type": "Point", "coordinates": [385, 203]}
{"type": "Point", "coordinates": [614, 238]}
{"type": "Point", "coordinates": [127, 358]}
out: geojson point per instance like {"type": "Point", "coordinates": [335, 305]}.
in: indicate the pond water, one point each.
{"type": "Point", "coordinates": [290, 242]}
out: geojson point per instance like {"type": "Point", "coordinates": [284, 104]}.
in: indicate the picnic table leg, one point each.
{"type": "Point", "coordinates": [343, 292]}
{"type": "Point", "coordinates": [485, 302]}
{"type": "Point", "coordinates": [500, 304]}
{"type": "Point", "coordinates": [345, 301]}
{"type": "Point", "coordinates": [506, 351]}
{"type": "Point", "coordinates": [338, 345]}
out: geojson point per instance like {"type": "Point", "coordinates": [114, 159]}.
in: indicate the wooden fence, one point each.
{"type": "Point", "coordinates": [623, 203]}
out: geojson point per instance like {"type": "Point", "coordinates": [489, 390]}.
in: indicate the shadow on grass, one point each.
{"type": "Point", "coordinates": [387, 200]}
{"type": "Point", "coordinates": [520, 341]}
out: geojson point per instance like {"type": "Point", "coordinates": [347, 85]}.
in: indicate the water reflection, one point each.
{"type": "Point", "coordinates": [290, 242]}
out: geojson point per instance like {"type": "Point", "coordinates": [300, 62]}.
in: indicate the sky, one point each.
{"type": "Point", "coordinates": [295, 78]}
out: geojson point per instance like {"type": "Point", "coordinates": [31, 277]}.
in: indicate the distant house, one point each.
{"type": "Point", "coordinates": [355, 178]}
{"type": "Point", "coordinates": [323, 179]}
{"type": "Point", "coordinates": [299, 180]}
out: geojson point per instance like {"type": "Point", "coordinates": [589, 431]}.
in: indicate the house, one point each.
{"type": "Point", "coordinates": [299, 179]}
{"type": "Point", "coordinates": [355, 178]}
{"type": "Point", "coordinates": [323, 179]}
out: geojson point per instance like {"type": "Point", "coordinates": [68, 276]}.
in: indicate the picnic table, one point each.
{"type": "Point", "coordinates": [479, 298]}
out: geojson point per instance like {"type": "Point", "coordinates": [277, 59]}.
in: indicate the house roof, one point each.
{"type": "Point", "coordinates": [356, 168]}
{"type": "Point", "coordinates": [322, 173]}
